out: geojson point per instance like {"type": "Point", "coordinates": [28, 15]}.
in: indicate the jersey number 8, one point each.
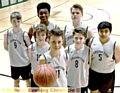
{"type": "Point", "coordinates": [76, 63]}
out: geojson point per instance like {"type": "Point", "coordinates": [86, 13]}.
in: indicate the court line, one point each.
{"type": "Point", "coordinates": [53, 8]}
{"type": "Point", "coordinates": [7, 76]}
{"type": "Point", "coordinates": [35, 15]}
{"type": "Point", "coordinates": [29, 19]}
{"type": "Point", "coordinates": [62, 4]}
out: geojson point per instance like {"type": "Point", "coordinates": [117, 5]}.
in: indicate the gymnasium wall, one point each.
{"type": "Point", "coordinates": [5, 3]}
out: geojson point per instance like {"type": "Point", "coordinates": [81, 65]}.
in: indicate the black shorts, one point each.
{"type": "Point", "coordinates": [32, 82]}
{"type": "Point", "coordinates": [102, 82]}
{"type": "Point", "coordinates": [83, 89]}
{"type": "Point", "coordinates": [24, 72]}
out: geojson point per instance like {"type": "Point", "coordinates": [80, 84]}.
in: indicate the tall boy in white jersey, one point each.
{"type": "Point", "coordinates": [38, 48]}
{"type": "Point", "coordinates": [43, 13]}
{"type": "Point", "coordinates": [78, 67]}
{"type": "Point", "coordinates": [105, 54]}
{"type": "Point", "coordinates": [76, 14]}
{"type": "Point", "coordinates": [16, 42]}
{"type": "Point", "coordinates": [56, 58]}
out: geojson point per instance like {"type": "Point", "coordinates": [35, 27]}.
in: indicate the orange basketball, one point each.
{"type": "Point", "coordinates": [44, 75]}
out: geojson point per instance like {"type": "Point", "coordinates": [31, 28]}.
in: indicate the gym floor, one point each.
{"type": "Point", "coordinates": [94, 12]}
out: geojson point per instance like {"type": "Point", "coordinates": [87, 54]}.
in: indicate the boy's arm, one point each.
{"type": "Point", "coordinates": [41, 60]}
{"type": "Point", "coordinates": [64, 39]}
{"type": "Point", "coordinates": [27, 39]}
{"type": "Point", "coordinates": [30, 53]}
{"type": "Point", "coordinates": [30, 32]}
{"type": "Point", "coordinates": [90, 60]}
{"type": "Point", "coordinates": [5, 42]}
{"type": "Point", "coordinates": [117, 53]}
{"type": "Point", "coordinates": [64, 42]}
{"type": "Point", "coordinates": [67, 62]}
{"type": "Point", "coordinates": [90, 41]}
{"type": "Point", "coordinates": [90, 34]}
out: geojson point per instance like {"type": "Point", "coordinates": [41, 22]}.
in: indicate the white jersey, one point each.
{"type": "Point", "coordinates": [36, 53]}
{"type": "Point", "coordinates": [68, 31]}
{"type": "Point", "coordinates": [102, 56]}
{"type": "Point", "coordinates": [60, 67]}
{"type": "Point", "coordinates": [50, 26]}
{"type": "Point", "coordinates": [18, 52]}
{"type": "Point", "coordinates": [78, 67]}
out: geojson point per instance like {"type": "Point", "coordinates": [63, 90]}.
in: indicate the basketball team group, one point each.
{"type": "Point", "coordinates": [81, 59]}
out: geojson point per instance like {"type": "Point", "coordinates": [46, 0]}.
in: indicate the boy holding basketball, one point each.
{"type": "Point", "coordinates": [38, 48]}
{"type": "Point", "coordinates": [105, 54]}
{"type": "Point", "coordinates": [56, 58]}
{"type": "Point", "coordinates": [16, 41]}
{"type": "Point", "coordinates": [80, 59]}
{"type": "Point", "coordinates": [43, 12]}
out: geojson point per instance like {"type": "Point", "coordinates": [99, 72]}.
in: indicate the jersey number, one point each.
{"type": "Point", "coordinates": [38, 56]}
{"type": "Point", "coordinates": [76, 63]}
{"type": "Point", "coordinates": [58, 73]}
{"type": "Point", "coordinates": [15, 45]}
{"type": "Point", "coordinates": [100, 57]}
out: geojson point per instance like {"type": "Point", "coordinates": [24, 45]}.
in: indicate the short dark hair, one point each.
{"type": "Point", "coordinates": [55, 32]}
{"type": "Point", "coordinates": [43, 5]}
{"type": "Point", "coordinates": [77, 6]}
{"type": "Point", "coordinates": [104, 24]}
{"type": "Point", "coordinates": [15, 14]}
{"type": "Point", "coordinates": [80, 30]}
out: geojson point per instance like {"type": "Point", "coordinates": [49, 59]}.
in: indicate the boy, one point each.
{"type": "Point", "coordinates": [76, 15]}
{"type": "Point", "coordinates": [78, 67]}
{"type": "Point", "coordinates": [38, 48]}
{"type": "Point", "coordinates": [105, 54]}
{"type": "Point", "coordinates": [43, 12]}
{"type": "Point", "coordinates": [56, 58]}
{"type": "Point", "coordinates": [16, 42]}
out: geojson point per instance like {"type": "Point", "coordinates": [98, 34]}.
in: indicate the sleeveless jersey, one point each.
{"type": "Point", "coordinates": [60, 67]}
{"type": "Point", "coordinates": [18, 52]}
{"type": "Point", "coordinates": [36, 53]}
{"type": "Point", "coordinates": [102, 56]}
{"type": "Point", "coordinates": [68, 32]}
{"type": "Point", "coordinates": [50, 26]}
{"type": "Point", "coordinates": [78, 67]}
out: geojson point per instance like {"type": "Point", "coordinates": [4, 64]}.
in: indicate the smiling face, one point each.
{"type": "Point", "coordinates": [43, 15]}
{"type": "Point", "coordinates": [55, 42]}
{"type": "Point", "coordinates": [55, 39]}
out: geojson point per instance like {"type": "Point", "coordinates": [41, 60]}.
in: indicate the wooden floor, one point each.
{"type": "Point", "coordinates": [94, 12]}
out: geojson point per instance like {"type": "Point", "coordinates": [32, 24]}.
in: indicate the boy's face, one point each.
{"type": "Point", "coordinates": [15, 22]}
{"type": "Point", "coordinates": [40, 36]}
{"type": "Point", "coordinates": [56, 42]}
{"type": "Point", "coordinates": [104, 34]}
{"type": "Point", "coordinates": [76, 14]}
{"type": "Point", "coordinates": [79, 39]}
{"type": "Point", "coordinates": [43, 15]}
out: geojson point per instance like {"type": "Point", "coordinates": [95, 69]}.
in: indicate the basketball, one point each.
{"type": "Point", "coordinates": [44, 75]}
